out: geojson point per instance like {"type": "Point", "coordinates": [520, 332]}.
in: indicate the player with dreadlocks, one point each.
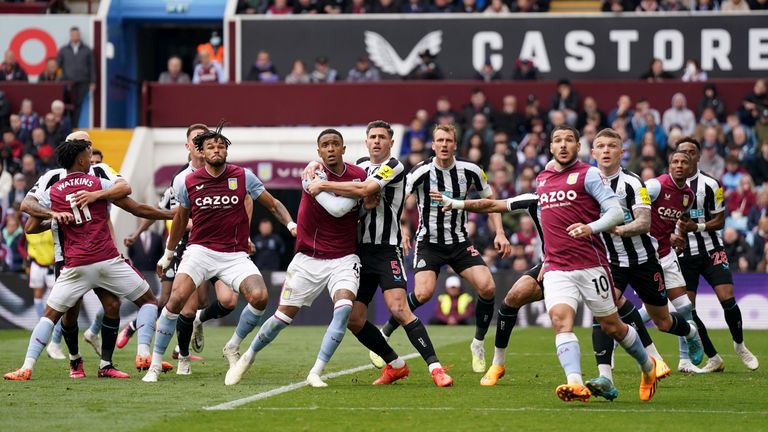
{"type": "Point", "coordinates": [218, 242]}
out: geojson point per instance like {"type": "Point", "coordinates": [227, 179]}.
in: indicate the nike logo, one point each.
{"type": "Point", "coordinates": [199, 187]}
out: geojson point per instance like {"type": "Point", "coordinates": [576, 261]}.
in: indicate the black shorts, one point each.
{"type": "Point", "coordinates": [382, 266]}
{"type": "Point", "coordinates": [534, 273]}
{"type": "Point", "coordinates": [713, 267]}
{"type": "Point", "coordinates": [170, 273]}
{"type": "Point", "coordinates": [460, 256]}
{"type": "Point", "coordinates": [647, 280]}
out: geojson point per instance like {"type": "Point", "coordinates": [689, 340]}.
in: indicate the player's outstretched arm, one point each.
{"type": "Point", "coordinates": [178, 226]}
{"type": "Point", "coordinates": [641, 224]}
{"type": "Point", "coordinates": [612, 214]}
{"type": "Point", "coordinates": [119, 189]}
{"type": "Point", "coordinates": [143, 210]}
{"type": "Point", "coordinates": [31, 206]}
{"type": "Point", "coordinates": [278, 210]}
{"type": "Point", "coordinates": [356, 190]}
{"type": "Point", "coordinates": [476, 206]}
{"type": "Point", "coordinates": [35, 225]}
{"type": "Point", "coordinates": [500, 242]}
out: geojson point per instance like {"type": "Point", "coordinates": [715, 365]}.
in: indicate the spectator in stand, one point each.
{"type": "Point", "coordinates": [466, 6]}
{"type": "Point", "coordinates": [47, 160]}
{"type": "Point", "coordinates": [481, 127]}
{"type": "Point", "coordinates": [509, 120]}
{"type": "Point", "coordinates": [587, 138]}
{"type": "Point", "coordinates": [174, 74]}
{"type": "Point", "coordinates": [524, 6]}
{"type": "Point", "coordinates": [758, 167]}
{"type": "Point", "coordinates": [30, 172]}
{"type": "Point", "coordinates": [145, 252]}
{"type": "Point", "coordinates": [443, 109]}
{"type": "Point", "coordinates": [590, 109]}
{"type": "Point", "coordinates": [761, 128]}
{"type": "Point", "coordinates": [627, 143]}
{"type": "Point", "coordinates": [298, 74]}
{"type": "Point", "coordinates": [29, 119]}
{"type": "Point", "coordinates": [476, 150]}
{"type": "Point", "coordinates": [566, 100]}
{"type": "Point", "coordinates": [711, 99]}
{"type": "Point", "coordinates": [440, 6]}
{"type": "Point", "coordinates": [526, 180]}
{"type": "Point", "coordinates": [54, 135]}
{"type": "Point", "coordinates": [711, 162]}
{"type": "Point", "coordinates": [363, 71]}
{"type": "Point", "coordinates": [6, 184]}
{"type": "Point", "coordinates": [359, 7]}
{"type": "Point", "coordinates": [78, 67]}
{"type": "Point", "coordinates": [623, 108]}
{"type": "Point", "coordinates": [306, 7]}
{"type": "Point", "coordinates": [753, 104]}
{"type": "Point", "coordinates": [323, 72]}
{"type": "Point", "coordinates": [52, 71]}
{"type": "Point", "coordinates": [709, 120]}
{"type": "Point", "coordinates": [37, 140]}
{"type": "Point", "coordinates": [656, 72]}
{"type": "Point", "coordinates": [333, 7]}
{"type": "Point", "coordinates": [501, 185]}
{"type": "Point", "coordinates": [427, 69]}
{"type": "Point", "coordinates": [706, 6]}
{"type": "Point", "coordinates": [213, 48]}
{"type": "Point", "coordinates": [496, 7]}
{"type": "Point", "coordinates": [208, 71]}
{"type": "Point", "coordinates": [739, 140]}
{"type": "Point", "coordinates": [270, 247]}
{"type": "Point", "coordinates": [251, 6]}
{"type": "Point", "coordinates": [9, 163]}
{"type": "Point", "coordinates": [10, 70]}
{"type": "Point", "coordinates": [19, 189]}
{"type": "Point", "coordinates": [642, 109]}
{"type": "Point", "coordinates": [758, 4]}
{"type": "Point", "coordinates": [740, 204]}
{"type": "Point", "coordinates": [672, 6]}
{"type": "Point", "coordinates": [529, 153]}
{"type": "Point", "coordinates": [488, 73]}
{"type": "Point", "coordinates": [693, 72]}
{"type": "Point", "coordinates": [647, 6]}
{"type": "Point", "coordinates": [10, 141]}
{"type": "Point", "coordinates": [478, 104]}
{"type": "Point", "coordinates": [385, 6]}
{"type": "Point", "coordinates": [525, 70]}
{"type": "Point", "coordinates": [280, 7]}
{"type": "Point", "coordinates": [679, 115]}
{"type": "Point", "coordinates": [732, 175]}
{"type": "Point", "coordinates": [13, 240]}
{"type": "Point", "coordinates": [740, 255]}
{"type": "Point", "coordinates": [262, 69]}
{"type": "Point", "coordinates": [57, 109]}
{"type": "Point", "coordinates": [416, 129]}
{"type": "Point", "coordinates": [649, 158]}
{"type": "Point", "coordinates": [19, 132]}
{"type": "Point", "coordinates": [734, 6]}
{"type": "Point", "coordinates": [5, 111]}
{"type": "Point", "coordinates": [616, 6]}
{"type": "Point", "coordinates": [413, 6]}
{"type": "Point", "coordinates": [503, 154]}
{"type": "Point", "coordinates": [454, 306]}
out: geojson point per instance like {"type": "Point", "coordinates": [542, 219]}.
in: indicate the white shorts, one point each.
{"type": "Point", "coordinates": [673, 273]}
{"type": "Point", "coordinates": [201, 264]}
{"type": "Point", "coordinates": [592, 285]}
{"type": "Point", "coordinates": [307, 277]}
{"type": "Point", "coordinates": [114, 275]}
{"type": "Point", "coordinates": [41, 276]}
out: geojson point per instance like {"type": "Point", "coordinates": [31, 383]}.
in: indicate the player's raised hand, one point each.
{"type": "Point", "coordinates": [579, 230]}
{"type": "Point", "coordinates": [502, 245]}
{"type": "Point", "coordinates": [83, 198]}
{"type": "Point", "coordinates": [314, 187]}
{"type": "Point", "coordinates": [62, 217]}
{"type": "Point", "coordinates": [309, 171]}
{"type": "Point", "coordinates": [130, 239]}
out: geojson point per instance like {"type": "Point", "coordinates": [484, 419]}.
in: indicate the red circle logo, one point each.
{"type": "Point", "coordinates": [33, 34]}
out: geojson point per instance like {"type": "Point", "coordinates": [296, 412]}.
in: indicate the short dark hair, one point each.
{"type": "Point", "coordinates": [678, 152]}
{"type": "Point", "coordinates": [215, 135]}
{"type": "Point", "coordinates": [330, 131]}
{"type": "Point", "coordinates": [97, 152]}
{"type": "Point", "coordinates": [379, 124]}
{"type": "Point", "coordinates": [74, 28]}
{"type": "Point", "coordinates": [689, 139]}
{"type": "Point", "coordinates": [196, 126]}
{"type": "Point", "coordinates": [566, 127]}
{"type": "Point", "coordinates": [67, 152]}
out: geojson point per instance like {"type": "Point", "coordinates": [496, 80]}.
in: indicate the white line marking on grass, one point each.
{"type": "Point", "coordinates": [515, 409]}
{"type": "Point", "coordinates": [291, 387]}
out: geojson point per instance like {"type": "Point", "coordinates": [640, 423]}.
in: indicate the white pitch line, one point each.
{"type": "Point", "coordinates": [292, 387]}
{"type": "Point", "coordinates": [515, 409]}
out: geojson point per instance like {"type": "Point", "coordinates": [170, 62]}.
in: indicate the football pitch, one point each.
{"type": "Point", "coordinates": [523, 400]}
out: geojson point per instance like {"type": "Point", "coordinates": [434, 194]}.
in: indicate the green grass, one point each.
{"type": "Point", "coordinates": [523, 400]}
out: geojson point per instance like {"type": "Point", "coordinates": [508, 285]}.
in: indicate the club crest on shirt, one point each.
{"type": "Point", "coordinates": [685, 201]}
{"type": "Point", "coordinates": [572, 178]}
{"type": "Point", "coordinates": [232, 183]}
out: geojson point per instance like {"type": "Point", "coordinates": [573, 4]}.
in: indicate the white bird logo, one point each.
{"type": "Point", "coordinates": [385, 57]}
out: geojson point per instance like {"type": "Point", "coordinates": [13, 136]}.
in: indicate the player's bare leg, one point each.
{"type": "Point", "coordinates": [255, 293]}
{"type": "Point", "coordinates": [342, 308]}
{"type": "Point", "coordinates": [127, 332]}
{"type": "Point", "coordinates": [482, 281]}
{"type": "Point", "coordinates": [39, 339]}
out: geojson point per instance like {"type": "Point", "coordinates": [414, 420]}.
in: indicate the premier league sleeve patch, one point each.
{"type": "Point", "coordinates": [232, 183]}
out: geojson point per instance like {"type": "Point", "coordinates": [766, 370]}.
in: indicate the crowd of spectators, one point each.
{"type": "Point", "coordinates": [511, 143]}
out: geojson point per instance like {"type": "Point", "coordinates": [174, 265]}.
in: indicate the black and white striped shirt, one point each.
{"type": "Point", "coordinates": [529, 203]}
{"type": "Point", "coordinates": [639, 249]}
{"type": "Point", "coordinates": [381, 225]}
{"type": "Point", "coordinates": [454, 182]}
{"type": "Point", "coordinates": [709, 202]}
